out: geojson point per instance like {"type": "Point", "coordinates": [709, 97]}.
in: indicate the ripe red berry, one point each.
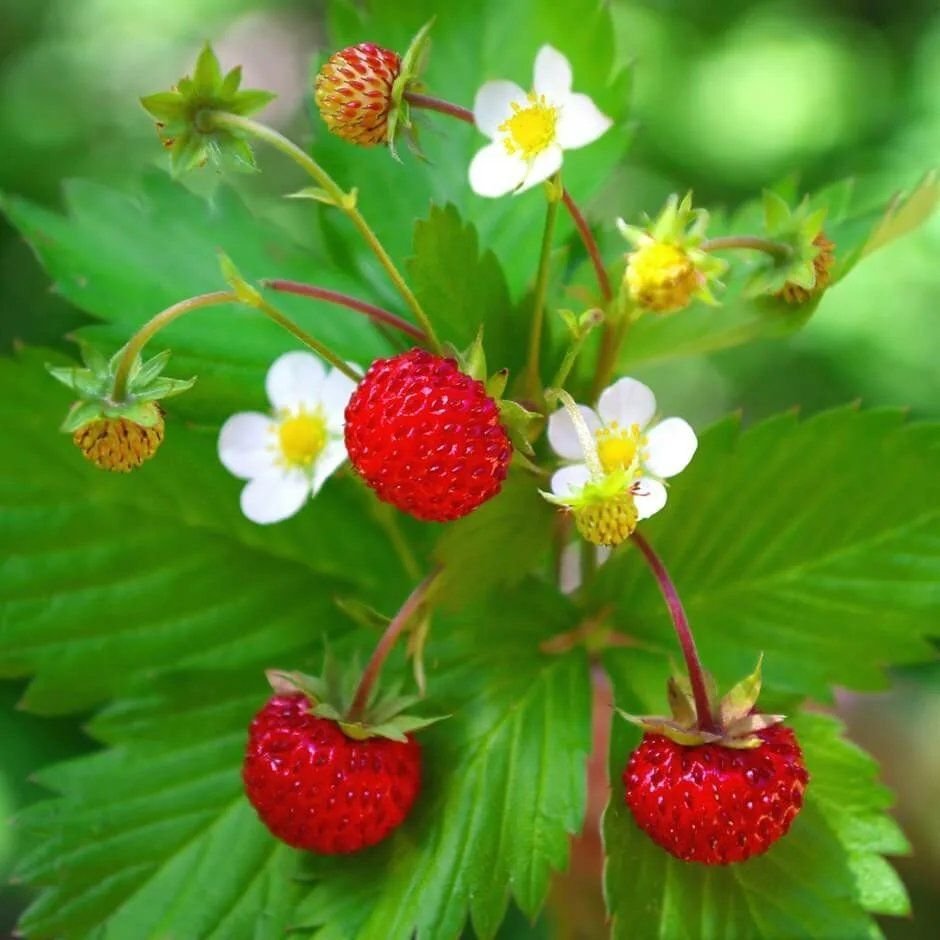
{"type": "Point", "coordinates": [317, 789]}
{"type": "Point", "coordinates": [426, 437]}
{"type": "Point", "coordinates": [714, 804]}
{"type": "Point", "coordinates": [354, 92]}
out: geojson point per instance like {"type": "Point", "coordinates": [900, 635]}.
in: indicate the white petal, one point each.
{"type": "Point", "coordinates": [327, 463]}
{"type": "Point", "coordinates": [569, 569]}
{"type": "Point", "coordinates": [649, 496]}
{"type": "Point", "coordinates": [294, 381]}
{"type": "Point", "coordinates": [552, 75]}
{"type": "Point", "coordinates": [493, 172]}
{"type": "Point", "coordinates": [670, 446]}
{"type": "Point", "coordinates": [546, 164]}
{"type": "Point", "coordinates": [580, 123]}
{"type": "Point", "coordinates": [493, 105]}
{"type": "Point", "coordinates": [569, 480]}
{"type": "Point", "coordinates": [275, 496]}
{"type": "Point", "coordinates": [627, 402]}
{"type": "Point", "coordinates": [562, 435]}
{"type": "Point", "coordinates": [245, 444]}
{"type": "Point", "coordinates": [334, 396]}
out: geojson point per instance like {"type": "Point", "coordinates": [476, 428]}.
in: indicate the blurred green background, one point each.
{"type": "Point", "coordinates": [728, 98]}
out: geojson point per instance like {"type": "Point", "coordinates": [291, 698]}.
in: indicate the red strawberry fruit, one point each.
{"type": "Point", "coordinates": [715, 804]}
{"type": "Point", "coordinates": [426, 436]}
{"type": "Point", "coordinates": [317, 789]}
{"type": "Point", "coordinates": [719, 790]}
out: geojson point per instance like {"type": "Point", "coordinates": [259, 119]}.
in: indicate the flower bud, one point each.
{"type": "Point", "coordinates": [823, 262]}
{"type": "Point", "coordinates": [118, 444]}
{"type": "Point", "coordinates": [353, 91]}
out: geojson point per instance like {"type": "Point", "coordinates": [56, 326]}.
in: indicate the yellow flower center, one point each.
{"type": "Point", "coordinates": [662, 277]}
{"type": "Point", "coordinates": [302, 437]}
{"type": "Point", "coordinates": [619, 448]}
{"type": "Point", "coordinates": [530, 129]}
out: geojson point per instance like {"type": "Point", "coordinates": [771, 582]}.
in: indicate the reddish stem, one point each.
{"type": "Point", "coordinates": [706, 721]}
{"type": "Point", "coordinates": [386, 642]}
{"type": "Point", "coordinates": [344, 300]}
{"type": "Point", "coordinates": [464, 114]}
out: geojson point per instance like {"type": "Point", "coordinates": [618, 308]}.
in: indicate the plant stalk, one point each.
{"type": "Point", "coordinates": [776, 250]}
{"type": "Point", "coordinates": [153, 326]}
{"type": "Point", "coordinates": [706, 721]}
{"type": "Point", "coordinates": [393, 631]}
{"type": "Point", "coordinates": [342, 200]}
{"type": "Point", "coordinates": [344, 300]}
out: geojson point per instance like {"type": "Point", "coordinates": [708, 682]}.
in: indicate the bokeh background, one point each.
{"type": "Point", "coordinates": [728, 97]}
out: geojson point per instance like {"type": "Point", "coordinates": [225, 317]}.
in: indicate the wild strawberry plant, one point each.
{"type": "Point", "coordinates": [415, 439]}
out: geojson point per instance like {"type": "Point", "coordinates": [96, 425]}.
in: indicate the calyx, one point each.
{"type": "Point", "coordinates": [331, 696]}
{"type": "Point", "coordinates": [735, 722]}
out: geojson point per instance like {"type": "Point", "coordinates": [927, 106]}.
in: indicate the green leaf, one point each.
{"type": "Point", "coordinates": [789, 538]}
{"type": "Point", "coordinates": [496, 545]}
{"type": "Point", "coordinates": [174, 254]}
{"type": "Point", "coordinates": [823, 879]}
{"type": "Point", "coordinates": [462, 289]}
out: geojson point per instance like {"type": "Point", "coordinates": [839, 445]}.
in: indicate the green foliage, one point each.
{"type": "Point", "coordinates": [782, 539]}
{"type": "Point", "coordinates": [823, 880]}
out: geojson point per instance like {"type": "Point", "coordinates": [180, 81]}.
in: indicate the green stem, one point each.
{"type": "Point", "coordinates": [272, 313]}
{"type": "Point", "coordinates": [532, 381]}
{"type": "Point", "coordinates": [140, 339]}
{"type": "Point", "coordinates": [571, 354]}
{"type": "Point", "coordinates": [776, 250]}
{"type": "Point", "coordinates": [412, 605]}
{"type": "Point", "coordinates": [342, 200]}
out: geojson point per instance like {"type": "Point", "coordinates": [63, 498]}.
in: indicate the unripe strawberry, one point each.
{"type": "Point", "coordinates": [118, 444]}
{"type": "Point", "coordinates": [426, 436]}
{"type": "Point", "coordinates": [609, 520]}
{"type": "Point", "coordinates": [822, 267]}
{"type": "Point", "coordinates": [662, 277]}
{"type": "Point", "coordinates": [353, 91]}
{"type": "Point", "coordinates": [318, 789]}
{"type": "Point", "coordinates": [712, 803]}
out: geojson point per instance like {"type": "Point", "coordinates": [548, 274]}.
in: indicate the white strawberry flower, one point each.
{"type": "Point", "coordinates": [627, 440]}
{"type": "Point", "coordinates": [530, 131]}
{"type": "Point", "coordinates": [287, 456]}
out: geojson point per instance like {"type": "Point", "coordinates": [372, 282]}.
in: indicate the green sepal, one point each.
{"type": "Point", "coordinates": [518, 422]}
{"type": "Point", "coordinates": [179, 114]}
{"type": "Point", "coordinates": [361, 613]}
{"type": "Point", "coordinates": [413, 63]}
{"type": "Point", "coordinates": [742, 698]}
{"type": "Point", "coordinates": [82, 381]}
{"type": "Point", "coordinates": [245, 292]}
{"type": "Point", "coordinates": [674, 730]}
{"type": "Point", "coordinates": [346, 201]}
{"type": "Point", "coordinates": [496, 384]}
{"type": "Point", "coordinates": [681, 703]}
{"type": "Point", "coordinates": [80, 414]}
{"type": "Point", "coordinates": [473, 359]}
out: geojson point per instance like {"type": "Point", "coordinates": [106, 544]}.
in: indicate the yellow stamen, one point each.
{"type": "Point", "coordinates": [531, 129]}
{"type": "Point", "coordinates": [619, 448]}
{"type": "Point", "coordinates": [302, 437]}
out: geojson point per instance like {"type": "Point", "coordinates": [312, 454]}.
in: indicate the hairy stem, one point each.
{"type": "Point", "coordinates": [775, 249]}
{"type": "Point", "coordinates": [393, 631]}
{"type": "Point", "coordinates": [430, 103]}
{"type": "Point", "coordinates": [344, 300]}
{"type": "Point", "coordinates": [532, 381]}
{"type": "Point", "coordinates": [140, 339]}
{"type": "Point", "coordinates": [342, 200]}
{"type": "Point", "coordinates": [706, 721]}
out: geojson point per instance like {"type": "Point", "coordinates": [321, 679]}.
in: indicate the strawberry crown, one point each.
{"type": "Point", "coordinates": [735, 723]}
{"type": "Point", "coordinates": [332, 695]}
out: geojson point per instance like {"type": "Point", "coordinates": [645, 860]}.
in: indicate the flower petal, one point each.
{"type": "Point", "coordinates": [569, 568]}
{"type": "Point", "coordinates": [245, 444]}
{"type": "Point", "coordinates": [552, 75]}
{"type": "Point", "coordinates": [294, 381]}
{"type": "Point", "coordinates": [569, 480]}
{"type": "Point", "coordinates": [493, 105]}
{"type": "Point", "coordinates": [494, 172]}
{"type": "Point", "coordinates": [580, 123]}
{"type": "Point", "coordinates": [334, 396]}
{"type": "Point", "coordinates": [328, 462]}
{"type": "Point", "coordinates": [669, 448]}
{"type": "Point", "coordinates": [627, 402]}
{"type": "Point", "coordinates": [274, 496]}
{"type": "Point", "coordinates": [562, 436]}
{"type": "Point", "coordinates": [649, 496]}
{"type": "Point", "coordinates": [546, 164]}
